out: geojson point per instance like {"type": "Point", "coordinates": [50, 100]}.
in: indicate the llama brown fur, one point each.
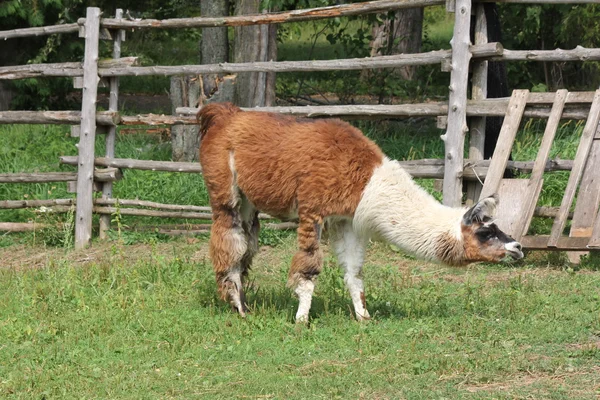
{"type": "Point", "coordinates": [281, 165]}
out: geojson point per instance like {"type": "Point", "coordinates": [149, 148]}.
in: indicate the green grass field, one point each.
{"type": "Point", "coordinates": [142, 321]}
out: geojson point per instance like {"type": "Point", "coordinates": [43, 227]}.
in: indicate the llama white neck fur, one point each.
{"type": "Point", "coordinates": [394, 208]}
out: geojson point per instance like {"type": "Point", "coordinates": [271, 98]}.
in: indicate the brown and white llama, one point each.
{"type": "Point", "coordinates": [317, 171]}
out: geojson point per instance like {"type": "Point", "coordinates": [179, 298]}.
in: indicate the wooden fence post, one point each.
{"type": "Point", "coordinates": [454, 138]}
{"type": "Point", "coordinates": [85, 167]}
{"type": "Point", "coordinates": [113, 105]}
{"type": "Point", "coordinates": [478, 92]}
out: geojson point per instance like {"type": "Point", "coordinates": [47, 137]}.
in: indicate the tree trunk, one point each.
{"type": "Point", "coordinates": [185, 140]}
{"type": "Point", "coordinates": [246, 47]}
{"type": "Point", "coordinates": [271, 55]}
{"type": "Point", "coordinates": [214, 47]}
{"type": "Point", "coordinates": [253, 43]}
{"type": "Point", "coordinates": [406, 37]}
{"type": "Point", "coordinates": [6, 96]}
{"type": "Point", "coordinates": [185, 91]}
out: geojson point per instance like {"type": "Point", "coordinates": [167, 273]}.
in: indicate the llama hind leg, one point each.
{"type": "Point", "coordinates": [306, 265]}
{"type": "Point", "coordinates": [228, 246]}
{"type": "Point", "coordinates": [251, 227]}
{"type": "Point", "coordinates": [350, 251]}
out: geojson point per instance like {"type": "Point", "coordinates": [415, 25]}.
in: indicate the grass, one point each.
{"type": "Point", "coordinates": [143, 322]}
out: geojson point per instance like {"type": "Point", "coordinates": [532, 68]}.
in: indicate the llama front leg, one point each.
{"type": "Point", "coordinates": [306, 265]}
{"type": "Point", "coordinates": [350, 251]}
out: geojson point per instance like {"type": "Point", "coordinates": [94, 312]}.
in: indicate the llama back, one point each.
{"type": "Point", "coordinates": [215, 114]}
{"type": "Point", "coordinates": [281, 162]}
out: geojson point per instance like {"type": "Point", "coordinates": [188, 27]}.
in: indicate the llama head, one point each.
{"type": "Point", "coordinates": [482, 239]}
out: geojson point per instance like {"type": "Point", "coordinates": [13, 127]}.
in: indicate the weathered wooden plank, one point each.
{"type": "Point", "coordinates": [167, 166]}
{"type": "Point", "coordinates": [548, 212]}
{"type": "Point", "coordinates": [595, 239]}
{"type": "Point", "coordinates": [85, 167]}
{"type": "Point", "coordinates": [541, 1]}
{"type": "Point", "coordinates": [454, 138]}
{"type": "Point", "coordinates": [55, 117]}
{"type": "Point", "coordinates": [67, 69]}
{"type": "Point", "coordinates": [128, 66]}
{"type": "Point", "coordinates": [101, 175]}
{"type": "Point", "coordinates": [16, 204]}
{"type": "Point", "coordinates": [113, 105]}
{"type": "Point", "coordinates": [152, 204]}
{"type": "Point", "coordinates": [577, 54]}
{"type": "Point", "coordinates": [309, 14]}
{"type": "Point", "coordinates": [432, 168]}
{"type": "Point", "coordinates": [488, 107]}
{"type": "Point", "coordinates": [151, 213]}
{"type": "Point", "coordinates": [21, 226]}
{"type": "Point", "coordinates": [588, 199]}
{"type": "Point", "coordinates": [535, 181]}
{"type": "Point", "coordinates": [572, 97]}
{"type": "Point", "coordinates": [509, 129]}
{"type": "Point", "coordinates": [39, 31]}
{"type": "Point", "coordinates": [433, 57]}
{"type": "Point", "coordinates": [583, 150]}
{"type": "Point", "coordinates": [478, 92]}
{"type": "Point", "coordinates": [564, 243]}
{"type": "Point", "coordinates": [512, 207]}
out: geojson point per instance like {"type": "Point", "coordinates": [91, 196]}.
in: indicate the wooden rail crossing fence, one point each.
{"type": "Point", "coordinates": [519, 196]}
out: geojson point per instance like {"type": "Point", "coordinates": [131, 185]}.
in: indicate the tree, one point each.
{"type": "Point", "coordinates": [214, 47]}
{"type": "Point", "coordinates": [253, 43]}
{"type": "Point", "coordinates": [186, 91]}
{"type": "Point", "coordinates": [401, 34]}
{"type": "Point", "coordinates": [547, 27]}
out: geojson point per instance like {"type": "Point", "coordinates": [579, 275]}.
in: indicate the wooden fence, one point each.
{"type": "Point", "coordinates": [100, 172]}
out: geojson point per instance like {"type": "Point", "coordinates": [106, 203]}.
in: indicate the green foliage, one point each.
{"type": "Point", "coordinates": [591, 261]}
{"type": "Point", "coordinates": [547, 27]}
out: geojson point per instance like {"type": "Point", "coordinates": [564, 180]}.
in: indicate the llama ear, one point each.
{"type": "Point", "coordinates": [482, 212]}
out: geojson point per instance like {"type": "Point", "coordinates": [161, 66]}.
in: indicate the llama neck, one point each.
{"type": "Point", "coordinates": [394, 208]}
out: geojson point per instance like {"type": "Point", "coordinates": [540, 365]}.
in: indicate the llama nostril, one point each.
{"type": "Point", "coordinates": [518, 246]}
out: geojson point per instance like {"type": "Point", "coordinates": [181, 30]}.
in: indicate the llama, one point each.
{"type": "Point", "coordinates": [319, 171]}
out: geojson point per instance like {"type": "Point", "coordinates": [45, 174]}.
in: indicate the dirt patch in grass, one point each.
{"type": "Point", "coordinates": [28, 257]}
{"type": "Point", "coordinates": [583, 383]}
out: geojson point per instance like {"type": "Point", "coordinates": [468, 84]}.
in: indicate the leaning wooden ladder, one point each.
{"type": "Point", "coordinates": [519, 196]}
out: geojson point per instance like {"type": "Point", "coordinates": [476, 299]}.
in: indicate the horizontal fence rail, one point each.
{"type": "Point", "coordinates": [100, 175]}
{"type": "Point", "coordinates": [538, 107]}
{"type": "Point", "coordinates": [111, 118]}
{"type": "Point", "coordinates": [309, 14]}
{"type": "Point", "coordinates": [129, 66]}
{"type": "Point", "coordinates": [258, 19]}
{"type": "Point", "coordinates": [426, 168]}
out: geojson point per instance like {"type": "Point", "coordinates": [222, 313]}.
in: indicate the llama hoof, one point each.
{"type": "Point", "coordinates": [242, 311]}
{"type": "Point", "coordinates": [301, 319]}
{"type": "Point", "coordinates": [363, 318]}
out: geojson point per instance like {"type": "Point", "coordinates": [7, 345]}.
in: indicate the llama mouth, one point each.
{"type": "Point", "coordinates": [515, 254]}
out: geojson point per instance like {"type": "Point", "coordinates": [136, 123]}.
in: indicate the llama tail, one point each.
{"type": "Point", "coordinates": [213, 114]}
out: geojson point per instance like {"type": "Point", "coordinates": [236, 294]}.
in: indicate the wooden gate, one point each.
{"type": "Point", "coordinates": [519, 196]}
